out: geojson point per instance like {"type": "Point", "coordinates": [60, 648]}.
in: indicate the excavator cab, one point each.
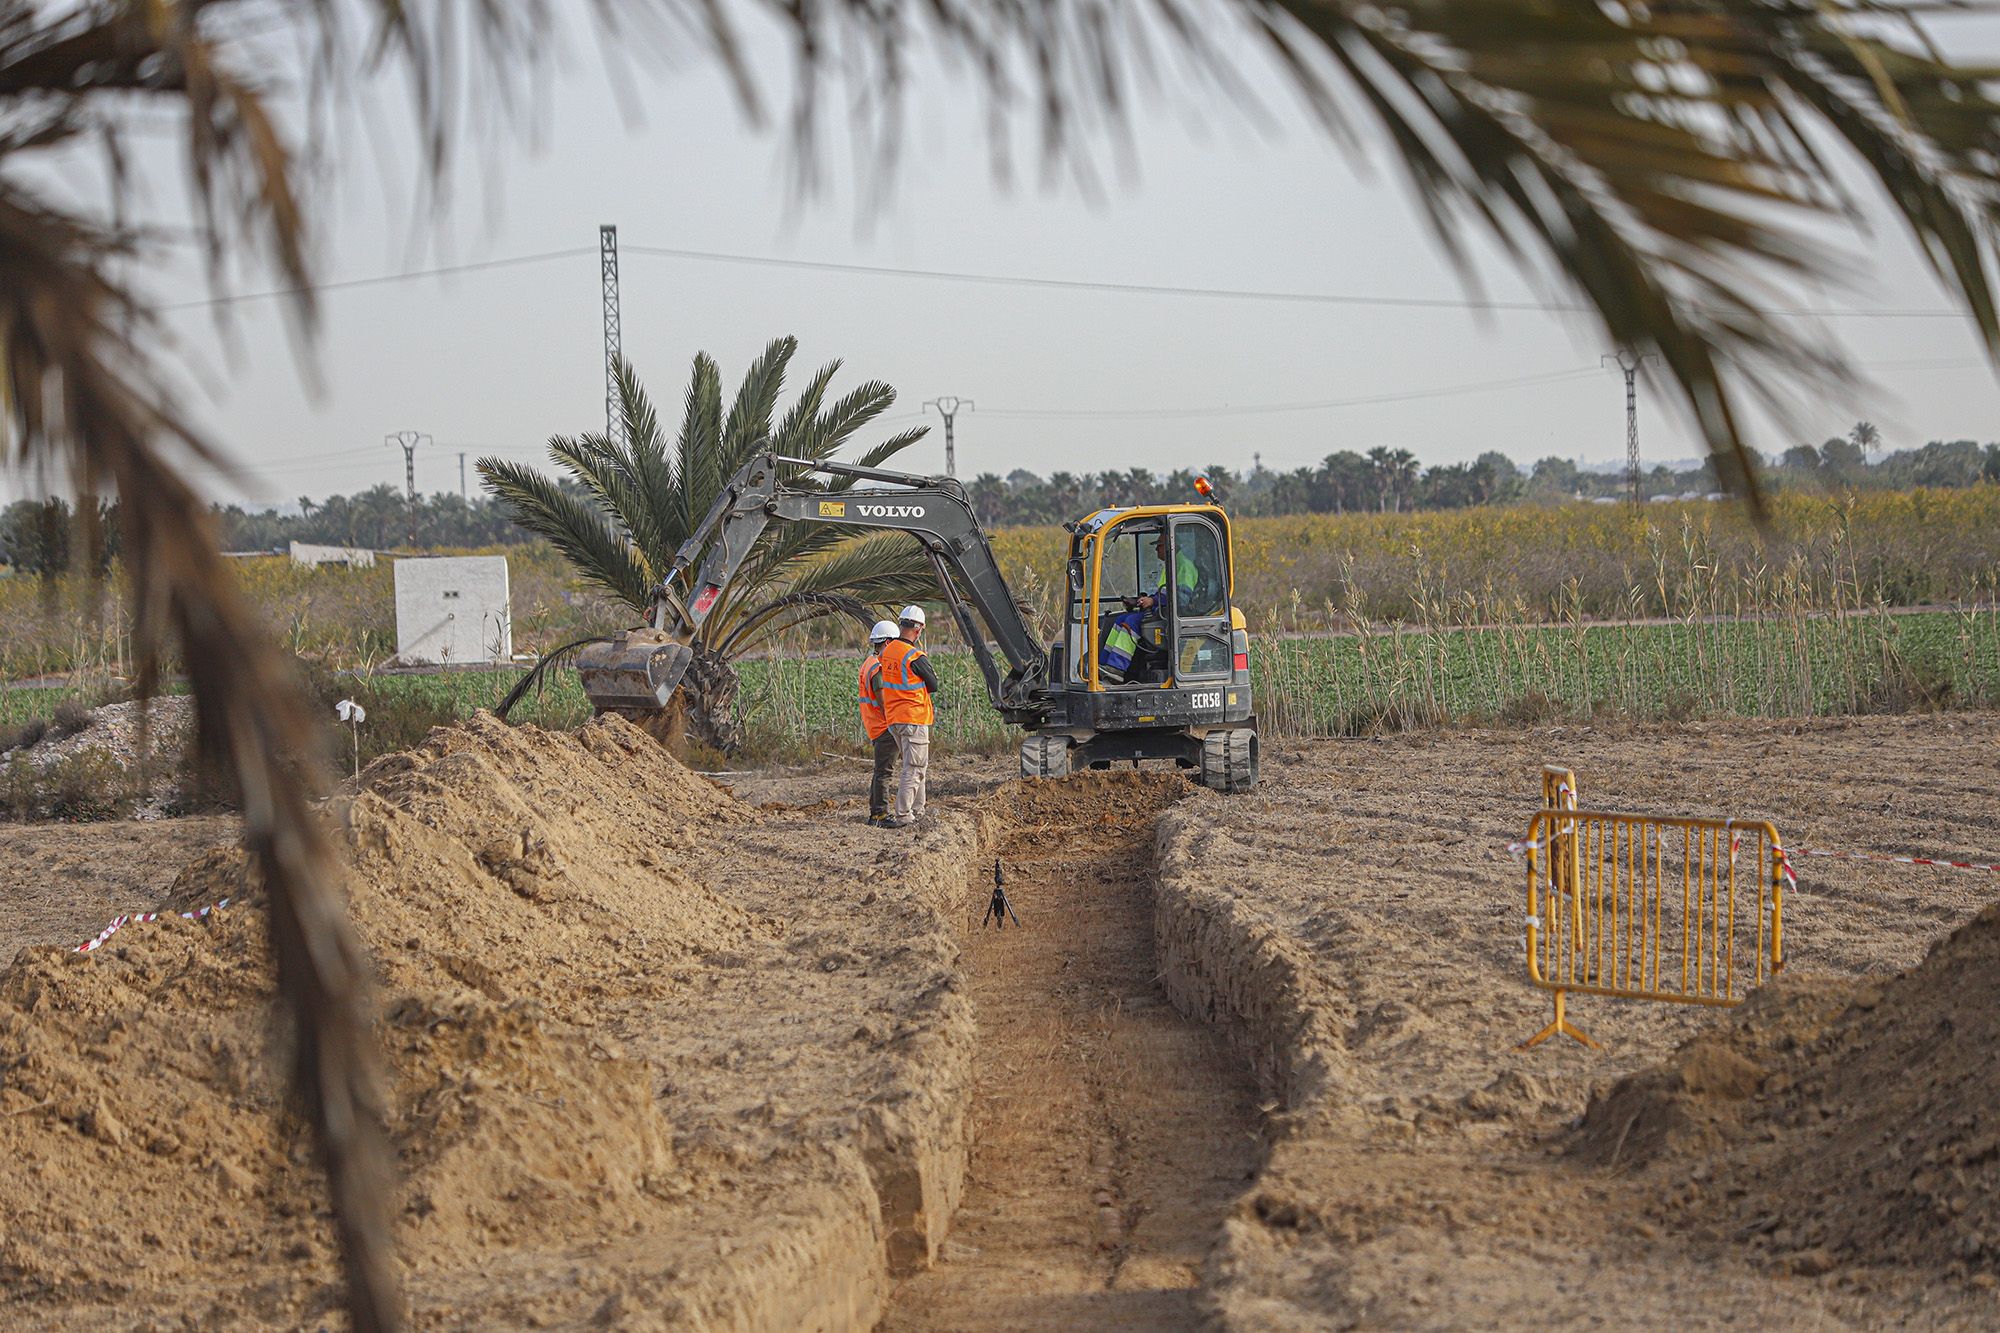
{"type": "Point", "coordinates": [1154, 661]}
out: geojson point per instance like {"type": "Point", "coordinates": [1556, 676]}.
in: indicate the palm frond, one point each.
{"type": "Point", "coordinates": [698, 470]}
{"type": "Point", "coordinates": [880, 567]}
{"type": "Point", "coordinates": [804, 411]}
{"type": "Point", "coordinates": [653, 525]}
{"type": "Point", "coordinates": [85, 406]}
{"type": "Point", "coordinates": [578, 529]}
{"type": "Point", "coordinates": [1668, 163]}
{"type": "Point", "coordinates": [1662, 158]}
{"type": "Point", "coordinates": [786, 548]}
{"type": "Point", "coordinates": [787, 612]}
{"type": "Point", "coordinates": [889, 449]}
{"type": "Point", "coordinates": [749, 422]}
{"type": "Point", "coordinates": [605, 471]}
{"type": "Point", "coordinates": [831, 430]}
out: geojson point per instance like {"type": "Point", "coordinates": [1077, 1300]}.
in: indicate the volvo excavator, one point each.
{"type": "Point", "coordinates": [1155, 580]}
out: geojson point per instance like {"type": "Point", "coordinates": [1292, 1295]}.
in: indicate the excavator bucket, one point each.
{"type": "Point", "coordinates": [637, 670]}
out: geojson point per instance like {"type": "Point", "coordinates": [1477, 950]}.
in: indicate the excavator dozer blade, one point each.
{"type": "Point", "coordinates": [635, 671]}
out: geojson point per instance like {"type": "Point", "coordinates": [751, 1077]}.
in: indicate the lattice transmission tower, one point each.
{"type": "Point", "coordinates": [607, 257]}
{"type": "Point", "coordinates": [1629, 365]}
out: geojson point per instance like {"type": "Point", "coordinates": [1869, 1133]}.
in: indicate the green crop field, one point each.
{"type": "Point", "coordinates": [1321, 685]}
{"type": "Point", "coordinates": [796, 706]}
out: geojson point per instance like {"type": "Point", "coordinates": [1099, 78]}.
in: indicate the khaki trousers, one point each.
{"type": "Point", "coordinates": [913, 747]}
{"type": "Point", "coordinates": [884, 776]}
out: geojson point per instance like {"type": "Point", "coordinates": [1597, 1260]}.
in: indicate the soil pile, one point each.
{"type": "Point", "coordinates": [134, 745]}
{"type": "Point", "coordinates": [1854, 1123]}
{"type": "Point", "coordinates": [528, 900]}
{"type": "Point", "coordinates": [158, 728]}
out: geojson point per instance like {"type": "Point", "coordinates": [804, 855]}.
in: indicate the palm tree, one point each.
{"type": "Point", "coordinates": [1865, 437]}
{"type": "Point", "coordinates": [1403, 473]}
{"type": "Point", "coordinates": [988, 494]}
{"type": "Point", "coordinates": [635, 500]}
{"type": "Point", "coordinates": [1381, 473]}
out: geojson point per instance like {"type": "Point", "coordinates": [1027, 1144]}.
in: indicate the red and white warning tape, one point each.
{"type": "Point", "coordinates": [140, 918]}
{"type": "Point", "coordinates": [1896, 860]}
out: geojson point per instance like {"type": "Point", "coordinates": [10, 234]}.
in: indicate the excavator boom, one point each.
{"type": "Point", "coordinates": [640, 669]}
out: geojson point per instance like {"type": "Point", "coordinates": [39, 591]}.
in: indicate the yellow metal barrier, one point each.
{"type": "Point", "coordinates": [1649, 907]}
{"type": "Point", "coordinates": [1565, 867]}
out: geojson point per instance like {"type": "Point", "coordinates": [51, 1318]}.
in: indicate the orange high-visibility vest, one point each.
{"type": "Point", "coordinates": [872, 720]}
{"type": "Point", "coordinates": [905, 697]}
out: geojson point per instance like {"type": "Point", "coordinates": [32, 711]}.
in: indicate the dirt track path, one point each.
{"type": "Point", "coordinates": [1111, 1136]}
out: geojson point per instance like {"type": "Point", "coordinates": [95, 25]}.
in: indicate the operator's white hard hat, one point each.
{"type": "Point", "coordinates": [884, 629]}
{"type": "Point", "coordinates": [915, 613]}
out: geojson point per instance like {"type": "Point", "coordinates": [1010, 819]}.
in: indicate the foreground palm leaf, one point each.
{"type": "Point", "coordinates": [1661, 161]}
{"type": "Point", "coordinates": [641, 499]}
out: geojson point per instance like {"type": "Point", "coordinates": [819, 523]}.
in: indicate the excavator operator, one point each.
{"type": "Point", "coordinates": [1130, 652]}
{"type": "Point", "coordinates": [1186, 576]}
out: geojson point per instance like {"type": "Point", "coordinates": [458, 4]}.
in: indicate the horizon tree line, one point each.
{"type": "Point", "coordinates": [49, 537]}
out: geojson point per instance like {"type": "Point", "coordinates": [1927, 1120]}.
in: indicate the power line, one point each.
{"type": "Point", "coordinates": [1261, 409]}
{"type": "Point", "coordinates": [1022, 280]}
{"type": "Point", "coordinates": [1223, 293]}
{"type": "Point", "coordinates": [379, 280]}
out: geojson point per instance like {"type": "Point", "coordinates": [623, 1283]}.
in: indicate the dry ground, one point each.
{"type": "Point", "coordinates": [1347, 939]}
{"type": "Point", "coordinates": [1111, 1135]}
{"type": "Point", "coordinates": [1425, 1173]}
{"type": "Point", "coordinates": [61, 883]}
{"type": "Point", "coordinates": [1355, 923]}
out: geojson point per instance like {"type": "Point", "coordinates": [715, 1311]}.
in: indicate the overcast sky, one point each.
{"type": "Point", "coordinates": [497, 360]}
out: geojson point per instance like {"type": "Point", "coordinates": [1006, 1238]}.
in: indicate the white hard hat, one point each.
{"type": "Point", "coordinates": [915, 613]}
{"type": "Point", "coordinates": [884, 629]}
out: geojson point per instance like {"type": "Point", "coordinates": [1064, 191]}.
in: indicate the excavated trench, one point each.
{"type": "Point", "coordinates": [1110, 1136]}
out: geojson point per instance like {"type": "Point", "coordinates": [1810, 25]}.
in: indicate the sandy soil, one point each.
{"type": "Point", "coordinates": [1356, 921]}
{"type": "Point", "coordinates": [666, 1054]}
{"type": "Point", "coordinates": [649, 1066]}
{"type": "Point", "coordinates": [62, 883]}
{"type": "Point", "coordinates": [1112, 1135]}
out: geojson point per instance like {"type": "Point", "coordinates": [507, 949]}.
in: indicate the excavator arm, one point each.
{"type": "Point", "coordinates": [640, 669]}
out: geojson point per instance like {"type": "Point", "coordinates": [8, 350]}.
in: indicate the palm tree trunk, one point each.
{"type": "Point", "coordinates": [710, 690]}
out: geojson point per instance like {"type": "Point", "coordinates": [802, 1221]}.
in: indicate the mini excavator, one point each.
{"type": "Point", "coordinates": [1153, 662]}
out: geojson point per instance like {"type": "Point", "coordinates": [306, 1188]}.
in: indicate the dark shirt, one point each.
{"type": "Point", "coordinates": [921, 666]}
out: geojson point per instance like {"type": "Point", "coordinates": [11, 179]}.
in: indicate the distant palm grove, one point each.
{"type": "Point", "coordinates": [38, 537]}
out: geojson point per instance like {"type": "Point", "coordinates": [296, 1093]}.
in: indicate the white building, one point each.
{"type": "Point", "coordinates": [354, 557]}
{"type": "Point", "coordinates": [453, 609]}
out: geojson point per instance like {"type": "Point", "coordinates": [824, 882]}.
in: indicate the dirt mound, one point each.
{"type": "Point", "coordinates": [1114, 800]}
{"type": "Point", "coordinates": [136, 747]}
{"type": "Point", "coordinates": [1836, 1123]}
{"type": "Point", "coordinates": [511, 885]}
{"type": "Point", "coordinates": [1691, 1102]}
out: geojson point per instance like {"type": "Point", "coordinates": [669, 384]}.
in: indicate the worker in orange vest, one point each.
{"type": "Point", "coordinates": [876, 724]}
{"type": "Point", "coordinates": [908, 683]}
